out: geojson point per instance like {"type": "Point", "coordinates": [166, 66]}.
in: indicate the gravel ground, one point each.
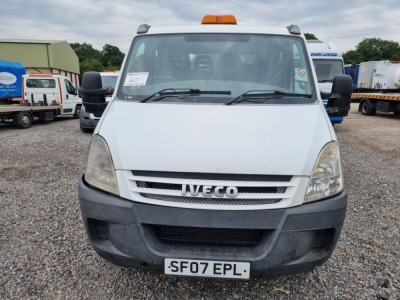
{"type": "Point", "coordinates": [44, 252]}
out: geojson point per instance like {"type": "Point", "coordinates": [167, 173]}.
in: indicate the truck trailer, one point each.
{"type": "Point", "coordinates": [44, 97]}
{"type": "Point", "coordinates": [378, 87]}
{"type": "Point", "coordinates": [10, 80]}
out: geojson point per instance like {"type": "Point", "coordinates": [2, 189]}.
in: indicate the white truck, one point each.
{"type": "Point", "coordinates": [215, 156]}
{"type": "Point", "coordinates": [328, 62]}
{"type": "Point", "coordinates": [88, 121]}
{"type": "Point", "coordinates": [378, 87]}
{"type": "Point", "coordinates": [44, 96]}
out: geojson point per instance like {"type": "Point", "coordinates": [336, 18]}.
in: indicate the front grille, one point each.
{"type": "Point", "coordinates": [211, 188]}
{"type": "Point", "coordinates": [241, 189]}
{"type": "Point", "coordinates": [208, 237]}
{"type": "Point", "coordinates": [201, 200]}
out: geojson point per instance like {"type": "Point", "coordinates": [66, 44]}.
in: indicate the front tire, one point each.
{"type": "Point", "coordinates": [366, 108]}
{"type": "Point", "coordinates": [77, 113]}
{"type": "Point", "coordinates": [25, 120]}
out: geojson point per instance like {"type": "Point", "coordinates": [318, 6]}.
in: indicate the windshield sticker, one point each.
{"type": "Point", "coordinates": [136, 79]}
{"type": "Point", "coordinates": [301, 74]}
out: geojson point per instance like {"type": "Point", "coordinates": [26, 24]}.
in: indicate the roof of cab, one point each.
{"type": "Point", "coordinates": [217, 28]}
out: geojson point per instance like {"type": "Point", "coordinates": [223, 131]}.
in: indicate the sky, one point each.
{"type": "Point", "coordinates": [114, 22]}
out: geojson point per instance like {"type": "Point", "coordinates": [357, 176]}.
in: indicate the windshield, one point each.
{"type": "Point", "coordinates": [109, 81]}
{"type": "Point", "coordinates": [326, 69]}
{"type": "Point", "coordinates": [231, 64]}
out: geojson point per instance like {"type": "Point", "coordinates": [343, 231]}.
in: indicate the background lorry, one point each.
{"type": "Point", "coordinates": [376, 85]}
{"type": "Point", "coordinates": [88, 121]}
{"type": "Point", "coordinates": [44, 97]}
{"type": "Point", "coordinates": [10, 80]}
{"type": "Point", "coordinates": [328, 62]}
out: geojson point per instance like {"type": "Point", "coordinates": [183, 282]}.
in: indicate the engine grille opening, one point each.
{"type": "Point", "coordinates": [255, 190]}
{"type": "Point", "coordinates": [208, 237]}
{"type": "Point", "coordinates": [241, 189]}
{"type": "Point", "coordinates": [221, 201]}
{"type": "Point", "coordinates": [212, 176]}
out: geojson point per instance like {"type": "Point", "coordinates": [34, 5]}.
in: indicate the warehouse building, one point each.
{"type": "Point", "coordinates": [42, 56]}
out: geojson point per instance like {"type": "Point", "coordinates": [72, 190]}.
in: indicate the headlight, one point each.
{"type": "Point", "coordinates": [326, 178]}
{"type": "Point", "coordinates": [100, 172]}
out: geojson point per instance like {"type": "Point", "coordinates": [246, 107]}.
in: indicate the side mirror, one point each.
{"type": "Point", "coordinates": [93, 94]}
{"type": "Point", "coordinates": [339, 101]}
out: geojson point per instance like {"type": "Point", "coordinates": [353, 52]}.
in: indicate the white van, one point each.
{"type": "Point", "coordinates": [215, 157]}
{"type": "Point", "coordinates": [50, 89]}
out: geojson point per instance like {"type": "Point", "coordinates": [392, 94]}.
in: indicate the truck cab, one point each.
{"type": "Point", "coordinates": [215, 157]}
{"type": "Point", "coordinates": [328, 62]}
{"type": "Point", "coordinates": [51, 90]}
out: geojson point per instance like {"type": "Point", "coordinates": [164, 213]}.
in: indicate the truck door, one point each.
{"type": "Point", "coordinates": [71, 99]}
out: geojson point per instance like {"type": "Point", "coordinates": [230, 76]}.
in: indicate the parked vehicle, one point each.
{"type": "Point", "coordinates": [215, 157]}
{"type": "Point", "coordinates": [378, 87]}
{"type": "Point", "coordinates": [328, 62]}
{"type": "Point", "coordinates": [45, 96]}
{"type": "Point", "coordinates": [352, 70]}
{"type": "Point", "coordinates": [10, 80]}
{"type": "Point", "coordinates": [88, 121]}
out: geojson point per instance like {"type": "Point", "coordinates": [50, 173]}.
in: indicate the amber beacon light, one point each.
{"type": "Point", "coordinates": [215, 19]}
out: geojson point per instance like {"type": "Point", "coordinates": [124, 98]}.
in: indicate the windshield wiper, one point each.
{"type": "Point", "coordinates": [170, 92]}
{"type": "Point", "coordinates": [257, 96]}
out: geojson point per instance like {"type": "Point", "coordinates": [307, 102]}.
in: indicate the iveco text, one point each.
{"type": "Point", "coordinates": [208, 190]}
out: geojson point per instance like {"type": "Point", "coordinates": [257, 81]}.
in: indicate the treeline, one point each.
{"type": "Point", "coordinates": [373, 49]}
{"type": "Point", "coordinates": [90, 59]}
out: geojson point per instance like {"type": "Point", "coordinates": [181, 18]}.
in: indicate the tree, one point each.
{"type": "Point", "coordinates": [85, 51]}
{"type": "Point", "coordinates": [310, 36]}
{"type": "Point", "coordinates": [352, 56]}
{"type": "Point", "coordinates": [373, 49]}
{"type": "Point", "coordinates": [91, 64]}
{"type": "Point", "coordinates": [91, 59]}
{"type": "Point", "coordinates": [112, 57]}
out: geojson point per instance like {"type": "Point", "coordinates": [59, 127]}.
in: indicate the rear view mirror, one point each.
{"type": "Point", "coordinates": [339, 101]}
{"type": "Point", "coordinates": [342, 84]}
{"type": "Point", "coordinates": [93, 94]}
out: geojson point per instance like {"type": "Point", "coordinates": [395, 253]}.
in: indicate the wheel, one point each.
{"type": "Point", "coordinates": [366, 108]}
{"type": "Point", "coordinates": [77, 113]}
{"type": "Point", "coordinates": [24, 120]}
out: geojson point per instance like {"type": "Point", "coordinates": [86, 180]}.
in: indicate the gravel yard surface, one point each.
{"type": "Point", "coordinates": [45, 254]}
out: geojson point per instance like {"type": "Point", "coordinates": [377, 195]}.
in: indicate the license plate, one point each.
{"type": "Point", "coordinates": [207, 268]}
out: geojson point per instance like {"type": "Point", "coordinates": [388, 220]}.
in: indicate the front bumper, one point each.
{"type": "Point", "coordinates": [86, 121]}
{"type": "Point", "coordinates": [293, 240]}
